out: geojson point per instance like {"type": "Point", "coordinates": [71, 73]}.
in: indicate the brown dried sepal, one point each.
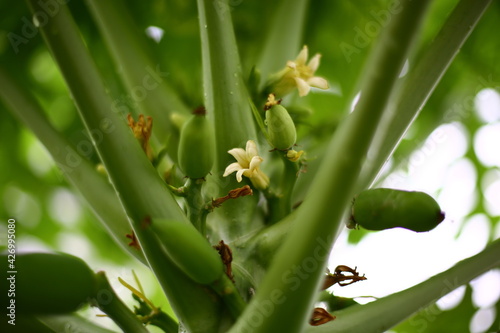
{"type": "Point", "coordinates": [227, 257]}
{"type": "Point", "coordinates": [320, 316]}
{"type": "Point", "coordinates": [233, 194]}
{"type": "Point", "coordinates": [339, 277]}
{"type": "Point", "coordinates": [134, 242]}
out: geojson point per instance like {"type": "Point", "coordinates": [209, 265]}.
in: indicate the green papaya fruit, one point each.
{"type": "Point", "coordinates": [196, 153]}
{"type": "Point", "coordinates": [47, 283]}
{"type": "Point", "coordinates": [383, 208]}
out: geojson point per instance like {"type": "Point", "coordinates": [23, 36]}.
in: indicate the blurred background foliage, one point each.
{"type": "Point", "coordinates": [50, 213]}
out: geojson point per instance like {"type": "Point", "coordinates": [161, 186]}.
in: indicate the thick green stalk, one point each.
{"type": "Point", "coordinates": [94, 187]}
{"type": "Point", "coordinates": [108, 301]}
{"type": "Point", "coordinates": [289, 289]}
{"type": "Point", "coordinates": [227, 106]}
{"type": "Point", "coordinates": [422, 79]}
{"type": "Point", "coordinates": [140, 189]}
{"type": "Point", "coordinates": [195, 204]}
{"type": "Point", "coordinates": [384, 313]}
{"type": "Point", "coordinates": [146, 81]}
{"type": "Point", "coordinates": [165, 322]}
{"type": "Point", "coordinates": [280, 200]}
{"type": "Point", "coordinates": [284, 36]}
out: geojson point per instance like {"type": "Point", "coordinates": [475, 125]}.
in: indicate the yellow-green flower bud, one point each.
{"type": "Point", "coordinates": [383, 208]}
{"type": "Point", "coordinates": [196, 146]}
{"type": "Point", "coordinates": [280, 126]}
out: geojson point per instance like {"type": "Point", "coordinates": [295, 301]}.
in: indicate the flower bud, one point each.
{"type": "Point", "coordinates": [196, 146]}
{"type": "Point", "coordinates": [280, 126]}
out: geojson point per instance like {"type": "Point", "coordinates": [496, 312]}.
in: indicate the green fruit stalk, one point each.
{"type": "Point", "coordinates": [383, 208]}
{"type": "Point", "coordinates": [280, 126]}
{"type": "Point", "coordinates": [49, 283]}
{"type": "Point", "coordinates": [196, 146]}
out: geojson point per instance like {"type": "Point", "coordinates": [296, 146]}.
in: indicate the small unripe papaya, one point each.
{"type": "Point", "coordinates": [383, 208]}
{"type": "Point", "coordinates": [196, 146]}
{"type": "Point", "coordinates": [49, 283]}
{"type": "Point", "coordinates": [280, 126]}
{"type": "Point", "coordinates": [189, 250]}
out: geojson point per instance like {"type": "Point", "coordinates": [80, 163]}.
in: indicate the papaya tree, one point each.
{"type": "Point", "coordinates": [225, 146]}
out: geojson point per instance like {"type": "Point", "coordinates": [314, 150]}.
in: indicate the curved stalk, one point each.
{"type": "Point", "coordinates": [107, 300]}
{"type": "Point", "coordinates": [290, 286]}
{"type": "Point", "coordinates": [422, 79]}
{"type": "Point", "coordinates": [384, 313]}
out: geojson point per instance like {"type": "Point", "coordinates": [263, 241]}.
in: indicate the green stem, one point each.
{"type": "Point", "coordinates": [382, 314]}
{"type": "Point", "coordinates": [291, 283]}
{"type": "Point", "coordinates": [280, 202]}
{"type": "Point", "coordinates": [284, 36]}
{"type": "Point", "coordinates": [195, 204]}
{"type": "Point", "coordinates": [107, 300]}
{"type": "Point", "coordinates": [165, 322]}
{"type": "Point", "coordinates": [226, 101]}
{"type": "Point", "coordinates": [226, 289]}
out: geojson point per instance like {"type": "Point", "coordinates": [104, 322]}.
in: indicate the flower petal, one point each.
{"type": "Point", "coordinates": [291, 64]}
{"type": "Point", "coordinates": [302, 86]}
{"type": "Point", "coordinates": [255, 162]}
{"type": "Point", "coordinates": [231, 168]}
{"type": "Point", "coordinates": [240, 155]}
{"type": "Point", "coordinates": [251, 150]}
{"type": "Point", "coordinates": [302, 57]}
{"type": "Point", "coordinates": [239, 174]}
{"type": "Point", "coordinates": [260, 180]}
{"type": "Point", "coordinates": [314, 62]}
{"type": "Point", "coordinates": [318, 82]}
